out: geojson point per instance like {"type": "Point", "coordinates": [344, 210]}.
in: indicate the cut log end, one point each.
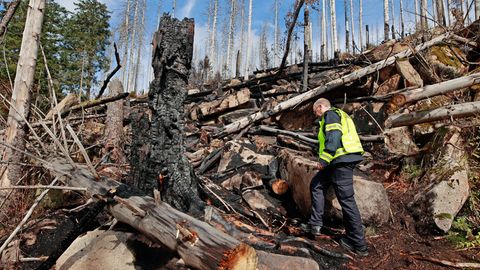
{"type": "Point", "coordinates": [279, 186]}
{"type": "Point", "coordinates": [240, 258]}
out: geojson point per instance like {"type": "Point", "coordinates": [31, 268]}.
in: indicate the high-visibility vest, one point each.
{"type": "Point", "coordinates": [350, 140]}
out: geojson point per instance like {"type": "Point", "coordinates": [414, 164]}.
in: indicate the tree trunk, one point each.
{"type": "Point", "coordinates": [324, 49]}
{"type": "Point", "coordinates": [392, 6]}
{"type": "Point", "coordinates": [114, 136]}
{"type": "Point", "coordinates": [245, 121]}
{"type": "Point", "coordinates": [12, 7]}
{"type": "Point", "coordinates": [289, 34]}
{"type": "Point", "coordinates": [477, 9]}
{"type": "Point", "coordinates": [213, 39]}
{"type": "Point", "coordinates": [442, 113]}
{"type": "Point", "coordinates": [417, 14]}
{"type": "Point", "coordinates": [449, 12]}
{"type": "Point", "coordinates": [435, 89]}
{"type": "Point", "coordinates": [352, 26]}
{"type": "Point", "coordinates": [306, 49]}
{"type": "Point", "coordinates": [140, 44]}
{"type": "Point", "coordinates": [386, 20]}
{"type": "Point", "coordinates": [249, 34]}
{"type": "Point", "coordinates": [132, 47]}
{"type": "Point", "coordinates": [333, 24]}
{"type": "Point", "coordinates": [347, 28]}
{"type": "Point", "coordinates": [402, 22]}
{"type": "Point", "coordinates": [20, 102]}
{"type": "Point", "coordinates": [360, 26]}
{"type": "Point", "coordinates": [441, 13]}
{"type": "Point", "coordinates": [231, 32]}
{"type": "Point", "coordinates": [367, 33]}
{"type": "Point", "coordinates": [423, 15]}
{"type": "Point", "coordinates": [276, 36]}
{"type": "Point", "coordinates": [166, 167]}
{"type": "Point", "coordinates": [126, 35]}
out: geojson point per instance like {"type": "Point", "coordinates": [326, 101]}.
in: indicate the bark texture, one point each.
{"type": "Point", "coordinates": [165, 166]}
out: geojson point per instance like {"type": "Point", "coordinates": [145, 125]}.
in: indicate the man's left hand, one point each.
{"type": "Point", "coordinates": [320, 166]}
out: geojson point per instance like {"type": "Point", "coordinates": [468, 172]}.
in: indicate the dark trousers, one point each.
{"type": "Point", "coordinates": [340, 176]}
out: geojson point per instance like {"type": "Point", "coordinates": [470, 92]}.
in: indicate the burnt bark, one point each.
{"type": "Point", "coordinates": [165, 166]}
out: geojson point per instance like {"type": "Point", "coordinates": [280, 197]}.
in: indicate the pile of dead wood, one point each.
{"type": "Point", "coordinates": [252, 146]}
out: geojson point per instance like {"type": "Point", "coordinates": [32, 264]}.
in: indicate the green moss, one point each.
{"type": "Point", "coordinates": [443, 216]}
{"type": "Point", "coordinates": [444, 55]}
{"type": "Point", "coordinates": [462, 234]}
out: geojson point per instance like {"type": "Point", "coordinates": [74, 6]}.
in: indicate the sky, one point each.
{"type": "Point", "coordinates": [262, 13]}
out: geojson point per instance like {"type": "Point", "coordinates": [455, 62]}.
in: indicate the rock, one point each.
{"type": "Point", "coordinates": [105, 249]}
{"type": "Point", "coordinates": [236, 155]}
{"type": "Point", "coordinates": [409, 73]}
{"type": "Point", "coordinates": [371, 197]}
{"type": "Point", "coordinates": [399, 141]}
{"type": "Point", "coordinates": [445, 182]}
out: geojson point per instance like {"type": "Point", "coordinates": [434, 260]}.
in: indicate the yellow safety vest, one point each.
{"type": "Point", "coordinates": [350, 140]}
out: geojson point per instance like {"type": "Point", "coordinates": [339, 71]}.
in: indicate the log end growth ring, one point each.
{"type": "Point", "coordinates": [243, 257]}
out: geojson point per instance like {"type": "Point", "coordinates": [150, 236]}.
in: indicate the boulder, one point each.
{"type": "Point", "coordinates": [371, 197]}
{"type": "Point", "coordinates": [445, 182]}
{"type": "Point", "coordinates": [399, 141]}
{"type": "Point", "coordinates": [238, 155]}
{"type": "Point", "coordinates": [106, 249]}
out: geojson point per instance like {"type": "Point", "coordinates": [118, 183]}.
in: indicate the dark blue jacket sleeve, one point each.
{"type": "Point", "coordinates": [333, 138]}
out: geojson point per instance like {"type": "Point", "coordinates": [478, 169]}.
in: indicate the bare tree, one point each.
{"type": "Point", "coordinates": [263, 48]}
{"type": "Point", "coordinates": [231, 32]}
{"type": "Point", "coordinates": [132, 47]}
{"type": "Point", "coordinates": [440, 13]}
{"type": "Point", "coordinates": [423, 15]}
{"type": "Point", "coordinates": [352, 26]}
{"type": "Point", "coordinates": [277, 36]}
{"type": "Point", "coordinates": [333, 25]}
{"type": "Point", "coordinates": [449, 11]}
{"type": "Point", "coordinates": [402, 22]}
{"type": "Point", "coordinates": [307, 51]}
{"type": "Point", "coordinates": [392, 6]}
{"type": "Point", "coordinates": [477, 9]}
{"type": "Point", "coordinates": [213, 37]}
{"type": "Point", "coordinates": [240, 52]}
{"type": "Point", "coordinates": [298, 7]}
{"type": "Point", "coordinates": [174, 5]}
{"type": "Point", "coordinates": [249, 34]}
{"type": "Point", "coordinates": [124, 41]}
{"type": "Point", "coordinates": [386, 27]}
{"type": "Point", "coordinates": [323, 48]}
{"type": "Point", "coordinates": [140, 45]}
{"type": "Point", "coordinates": [417, 14]}
{"type": "Point", "coordinates": [15, 134]}
{"type": "Point", "coordinates": [360, 25]}
{"type": "Point", "coordinates": [347, 29]}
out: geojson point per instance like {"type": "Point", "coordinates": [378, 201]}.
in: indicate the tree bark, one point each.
{"type": "Point", "coordinates": [20, 102]}
{"type": "Point", "coordinates": [402, 22]}
{"type": "Point", "coordinates": [243, 122]}
{"type": "Point", "coordinates": [12, 7]}
{"type": "Point", "coordinates": [231, 32]}
{"type": "Point", "coordinates": [324, 50]}
{"type": "Point", "coordinates": [126, 34]}
{"type": "Point", "coordinates": [347, 27]}
{"type": "Point", "coordinates": [386, 20]}
{"type": "Point", "coordinates": [131, 65]}
{"type": "Point", "coordinates": [213, 39]}
{"type": "Point", "coordinates": [166, 166]}
{"type": "Point", "coordinates": [360, 25]}
{"type": "Point", "coordinates": [434, 90]}
{"type": "Point", "coordinates": [441, 13]}
{"type": "Point", "coordinates": [306, 49]}
{"type": "Point", "coordinates": [352, 23]}
{"type": "Point", "coordinates": [423, 15]}
{"type": "Point", "coordinates": [442, 113]}
{"type": "Point", "coordinates": [114, 136]}
{"type": "Point", "coordinates": [333, 25]}
{"type": "Point", "coordinates": [289, 34]}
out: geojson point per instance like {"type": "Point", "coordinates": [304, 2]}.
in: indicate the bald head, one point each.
{"type": "Point", "coordinates": [321, 106]}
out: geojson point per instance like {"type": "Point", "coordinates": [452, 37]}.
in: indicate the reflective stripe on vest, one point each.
{"type": "Point", "coordinates": [350, 140]}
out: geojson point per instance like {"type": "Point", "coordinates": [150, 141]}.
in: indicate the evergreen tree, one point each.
{"type": "Point", "coordinates": [89, 36]}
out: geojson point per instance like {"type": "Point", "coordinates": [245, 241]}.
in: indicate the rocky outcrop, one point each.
{"type": "Point", "coordinates": [446, 182]}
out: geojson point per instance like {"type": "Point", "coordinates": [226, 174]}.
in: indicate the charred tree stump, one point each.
{"type": "Point", "coordinates": [166, 166]}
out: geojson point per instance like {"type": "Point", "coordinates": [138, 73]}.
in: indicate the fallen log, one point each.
{"type": "Point", "coordinates": [198, 244]}
{"type": "Point", "coordinates": [94, 103]}
{"type": "Point", "coordinates": [403, 98]}
{"type": "Point", "coordinates": [243, 122]}
{"type": "Point", "coordinates": [446, 112]}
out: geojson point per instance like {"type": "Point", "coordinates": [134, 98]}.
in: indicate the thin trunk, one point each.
{"type": "Point", "coordinates": [238, 64]}
{"type": "Point", "coordinates": [423, 15]}
{"type": "Point", "coordinates": [275, 41]}
{"type": "Point", "coordinates": [347, 28]}
{"type": "Point", "coordinates": [367, 32]}
{"type": "Point", "coordinates": [140, 44]}
{"type": "Point", "coordinates": [132, 48]}
{"type": "Point", "coordinates": [386, 20]}
{"type": "Point", "coordinates": [174, 5]}
{"type": "Point", "coordinates": [360, 26]}
{"type": "Point", "coordinates": [15, 134]}
{"type": "Point", "coordinates": [402, 22]}
{"type": "Point", "coordinates": [249, 34]}
{"type": "Point", "coordinates": [393, 19]}
{"type": "Point", "coordinates": [441, 13]}
{"type": "Point", "coordinates": [8, 15]}
{"type": "Point", "coordinates": [298, 6]}
{"type": "Point", "coordinates": [449, 10]}
{"type": "Point", "coordinates": [324, 49]}
{"type": "Point", "coordinates": [126, 35]}
{"type": "Point", "coordinates": [80, 90]}
{"type": "Point", "coordinates": [477, 9]}
{"type": "Point", "coordinates": [353, 26]}
{"type": "Point", "coordinates": [334, 26]}
{"type": "Point", "coordinates": [306, 48]}
{"type": "Point", "coordinates": [231, 32]}
{"type": "Point", "coordinates": [242, 38]}
{"type": "Point", "coordinates": [417, 14]}
{"type": "Point", "coordinates": [213, 39]}
{"type": "Point", "coordinates": [435, 14]}
{"type": "Point", "coordinates": [159, 14]}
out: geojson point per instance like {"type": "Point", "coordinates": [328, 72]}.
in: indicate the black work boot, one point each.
{"type": "Point", "coordinates": [348, 245]}
{"type": "Point", "coordinates": [312, 229]}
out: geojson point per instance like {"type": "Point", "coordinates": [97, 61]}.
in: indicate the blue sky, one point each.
{"type": "Point", "coordinates": [263, 12]}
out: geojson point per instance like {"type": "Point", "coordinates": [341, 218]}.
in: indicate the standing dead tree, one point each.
{"type": "Point", "coordinates": [20, 103]}
{"type": "Point", "coordinates": [165, 166]}
{"type": "Point", "coordinates": [12, 7]}
{"type": "Point", "coordinates": [298, 7]}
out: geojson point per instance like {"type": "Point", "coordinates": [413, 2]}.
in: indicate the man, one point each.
{"type": "Point", "coordinates": [339, 151]}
